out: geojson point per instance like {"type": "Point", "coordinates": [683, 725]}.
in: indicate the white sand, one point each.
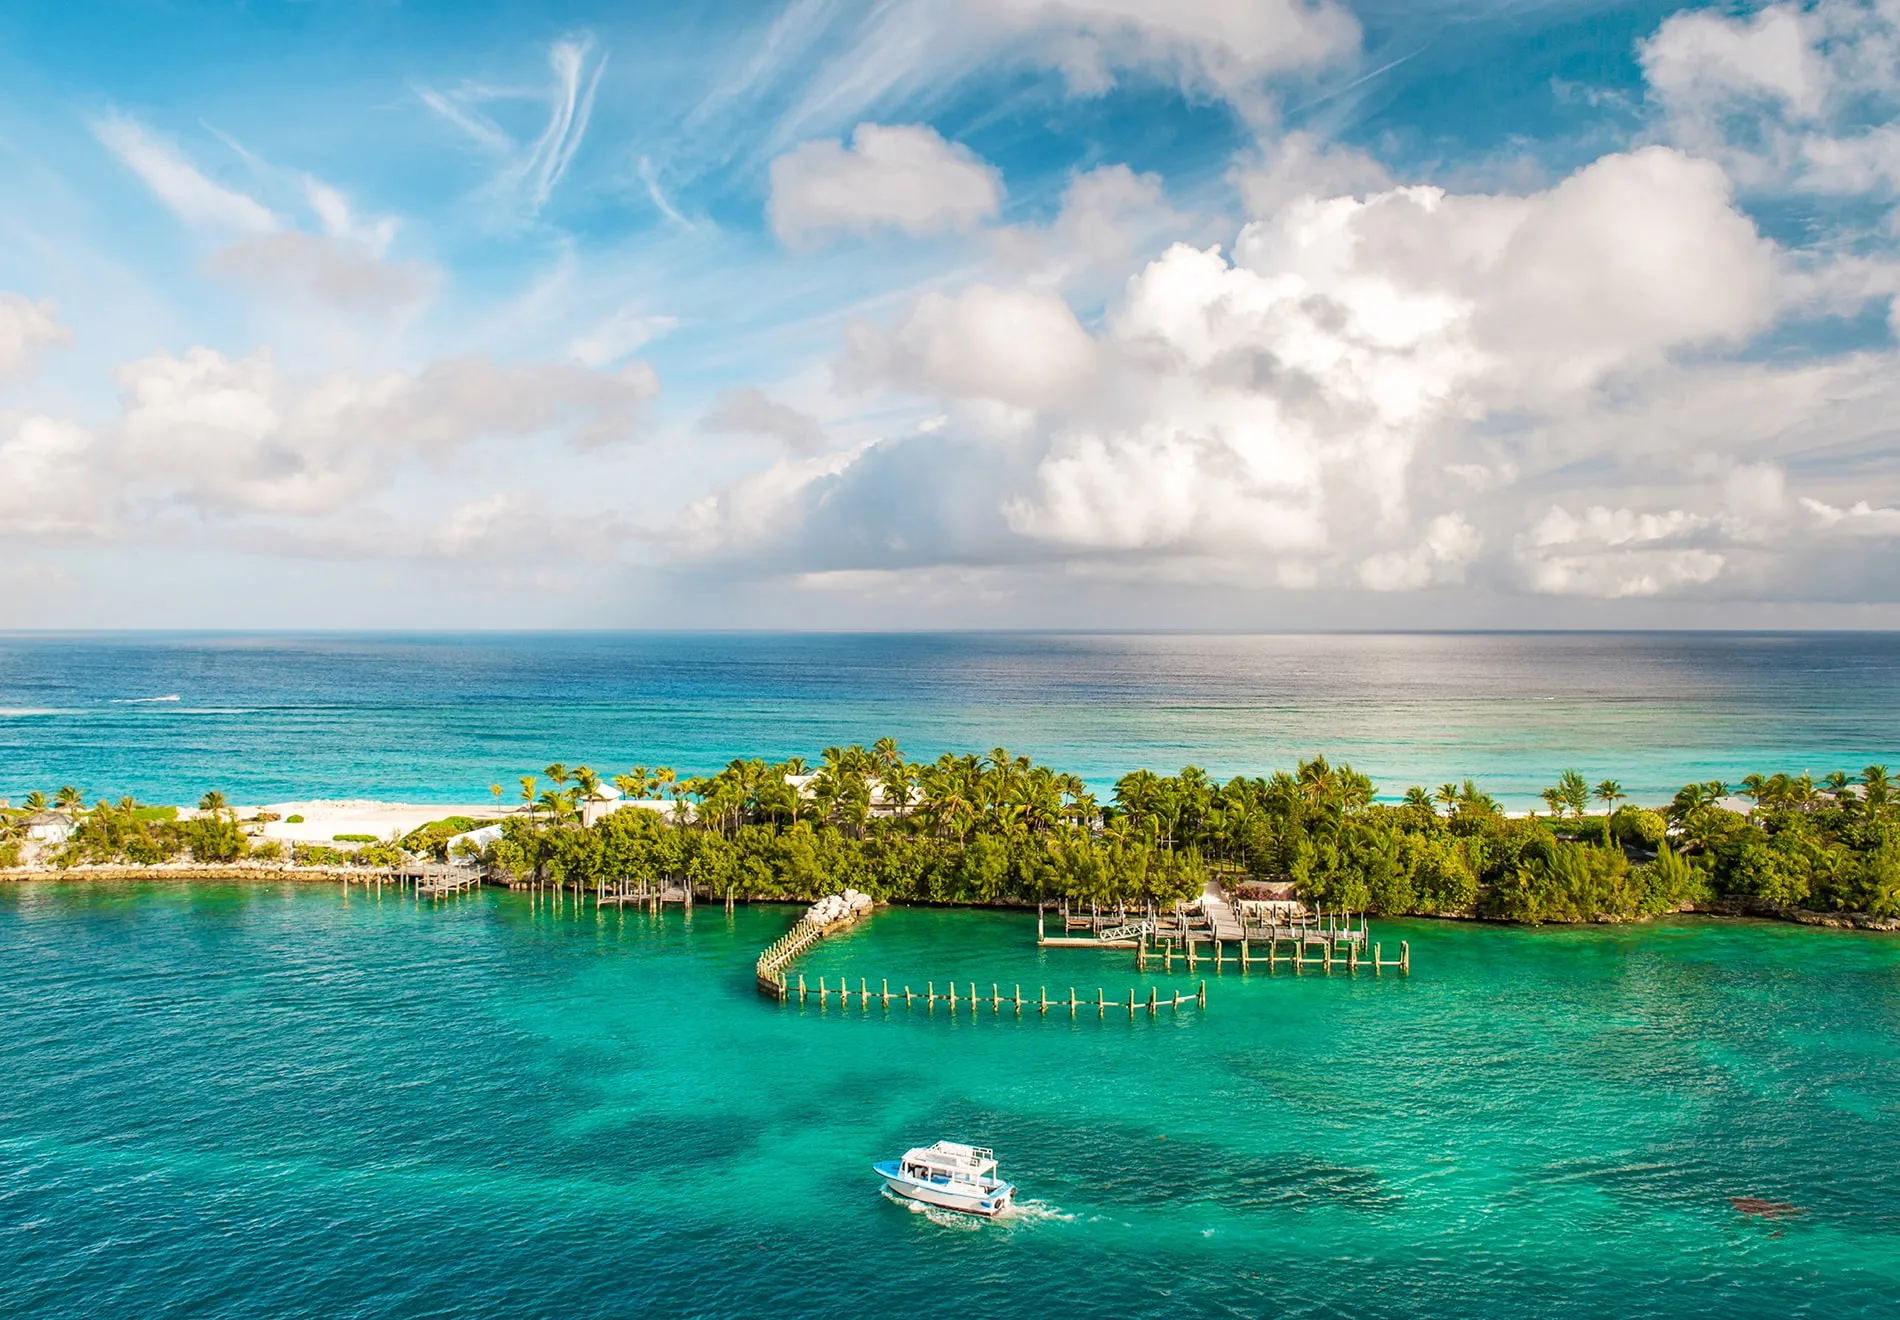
{"type": "Point", "coordinates": [323, 820]}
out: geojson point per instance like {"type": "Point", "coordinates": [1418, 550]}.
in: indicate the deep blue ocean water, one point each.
{"type": "Point", "coordinates": [440, 718]}
{"type": "Point", "coordinates": [284, 1101]}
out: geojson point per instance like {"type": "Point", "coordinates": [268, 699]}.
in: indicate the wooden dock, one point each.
{"type": "Point", "coordinates": [1227, 932]}
{"type": "Point", "coordinates": [642, 893]}
{"type": "Point", "coordinates": [427, 879]}
{"type": "Point", "coordinates": [772, 964]}
{"type": "Point", "coordinates": [973, 1002]}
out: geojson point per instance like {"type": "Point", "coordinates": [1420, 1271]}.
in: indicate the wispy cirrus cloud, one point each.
{"type": "Point", "coordinates": [530, 171]}
{"type": "Point", "coordinates": [178, 183]}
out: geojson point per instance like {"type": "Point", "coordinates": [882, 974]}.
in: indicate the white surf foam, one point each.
{"type": "Point", "coordinates": [1020, 1212]}
{"type": "Point", "coordinates": [138, 701]}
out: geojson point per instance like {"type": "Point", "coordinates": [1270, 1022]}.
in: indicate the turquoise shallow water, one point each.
{"type": "Point", "coordinates": [439, 718]}
{"type": "Point", "coordinates": [282, 1101]}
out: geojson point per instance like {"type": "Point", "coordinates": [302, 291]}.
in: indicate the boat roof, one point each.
{"type": "Point", "coordinates": [953, 1155]}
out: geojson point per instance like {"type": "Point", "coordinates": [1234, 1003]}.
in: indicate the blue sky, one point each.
{"type": "Point", "coordinates": [947, 313]}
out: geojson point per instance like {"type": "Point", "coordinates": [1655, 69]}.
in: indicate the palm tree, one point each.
{"type": "Point", "coordinates": [1836, 785]}
{"type": "Point", "coordinates": [1609, 793]}
{"type": "Point", "coordinates": [35, 801]}
{"type": "Point", "coordinates": [528, 792]}
{"type": "Point", "coordinates": [1689, 799]}
{"type": "Point", "coordinates": [1574, 791]}
{"type": "Point", "coordinates": [1447, 796]}
{"type": "Point", "coordinates": [1876, 788]}
{"type": "Point", "coordinates": [1418, 796]}
{"type": "Point", "coordinates": [587, 781]}
{"type": "Point", "coordinates": [70, 799]}
{"type": "Point", "coordinates": [212, 803]}
{"type": "Point", "coordinates": [1554, 799]}
{"type": "Point", "coordinates": [496, 790]}
{"type": "Point", "coordinates": [885, 750]}
{"type": "Point", "coordinates": [1801, 792]}
{"type": "Point", "coordinates": [1472, 802]}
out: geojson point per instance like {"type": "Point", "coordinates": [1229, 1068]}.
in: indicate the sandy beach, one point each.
{"type": "Point", "coordinates": [324, 819]}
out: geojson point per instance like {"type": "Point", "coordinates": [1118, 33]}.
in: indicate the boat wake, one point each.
{"type": "Point", "coordinates": [1029, 1212]}
{"type": "Point", "coordinates": [935, 1214]}
{"type": "Point", "coordinates": [1020, 1212]}
{"type": "Point", "coordinates": [138, 701]}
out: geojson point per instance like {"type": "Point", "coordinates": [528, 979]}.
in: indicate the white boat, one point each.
{"type": "Point", "coordinates": [950, 1175]}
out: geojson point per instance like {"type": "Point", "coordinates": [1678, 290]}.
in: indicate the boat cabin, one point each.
{"type": "Point", "coordinates": [949, 1161]}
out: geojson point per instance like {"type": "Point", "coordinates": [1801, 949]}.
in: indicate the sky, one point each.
{"type": "Point", "coordinates": [1204, 314]}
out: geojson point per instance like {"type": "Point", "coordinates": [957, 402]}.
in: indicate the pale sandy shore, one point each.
{"type": "Point", "coordinates": [324, 819]}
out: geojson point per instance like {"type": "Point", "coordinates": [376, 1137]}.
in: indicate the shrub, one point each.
{"type": "Point", "coordinates": [354, 838]}
{"type": "Point", "coordinates": [1634, 825]}
{"type": "Point", "coordinates": [214, 839]}
{"type": "Point", "coordinates": [433, 838]}
{"type": "Point", "coordinates": [317, 854]}
{"type": "Point", "coordinates": [378, 854]}
{"type": "Point", "coordinates": [293, 820]}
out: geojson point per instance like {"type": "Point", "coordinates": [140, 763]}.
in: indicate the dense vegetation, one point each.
{"type": "Point", "coordinates": [998, 827]}
{"type": "Point", "coordinates": [982, 829]}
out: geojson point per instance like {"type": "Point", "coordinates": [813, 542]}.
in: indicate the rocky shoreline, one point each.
{"type": "Point", "coordinates": [260, 871]}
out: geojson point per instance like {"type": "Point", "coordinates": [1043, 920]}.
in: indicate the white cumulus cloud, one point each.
{"type": "Point", "coordinates": [1230, 47]}
{"type": "Point", "coordinates": [26, 327]}
{"type": "Point", "coordinates": [239, 435]}
{"type": "Point", "coordinates": [903, 177]}
{"type": "Point", "coordinates": [1016, 346]}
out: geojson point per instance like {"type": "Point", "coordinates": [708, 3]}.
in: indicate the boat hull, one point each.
{"type": "Point", "coordinates": [965, 1200]}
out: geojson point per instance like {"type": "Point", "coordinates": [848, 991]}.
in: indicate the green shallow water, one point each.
{"type": "Point", "coordinates": [264, 1101]}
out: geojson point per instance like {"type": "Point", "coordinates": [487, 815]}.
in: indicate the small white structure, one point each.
{"type": "Point", "coordinates": [464, 848]}
{"type": "Point", "coordinates": [603, 801]}
{"type": "Point", "coordinates": [50, 828]}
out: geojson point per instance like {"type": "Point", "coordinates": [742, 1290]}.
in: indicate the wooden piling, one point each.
{"type": "Point", "coordinates": [1201, 998]}
{"type": "Point", "coordinates": [1405, 956]}
{"type": "Point", "coordinates": [887, 992]}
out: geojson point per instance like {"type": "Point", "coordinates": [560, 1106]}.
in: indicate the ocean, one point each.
{"type": "Point", "coordinates": [281, 1100]}
{"type": "Point", "coordinates": [440, 718]}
